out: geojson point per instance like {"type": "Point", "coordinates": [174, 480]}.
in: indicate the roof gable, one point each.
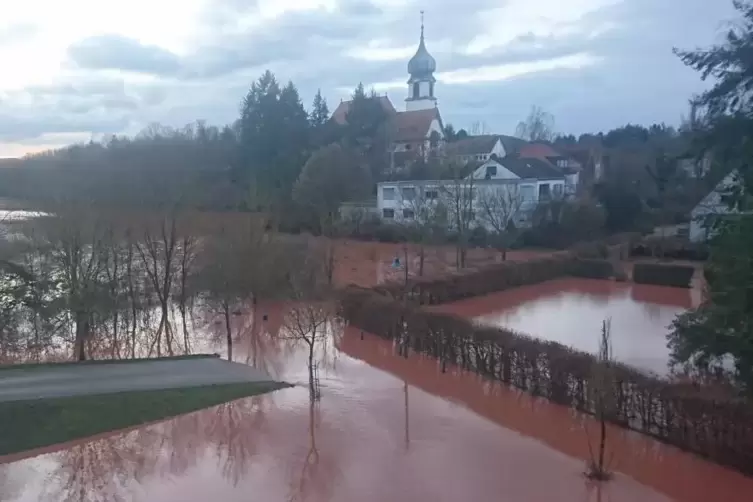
{"type": "Point", "coordinates": [340, 114]}
{"type": "Point", "coordinates": [414, 125]}
{"type": "Point", "coordinates": [530, 168]}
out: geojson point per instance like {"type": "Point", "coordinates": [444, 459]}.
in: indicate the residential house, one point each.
{"type": "Point", "coordinates": [482, 148]}
{"type": "Point", "coordinates": [709, 210]}
{"type": "Point", "coordinates": [568, 166]}
{"type": "Point", "coordinates": [522, 183]}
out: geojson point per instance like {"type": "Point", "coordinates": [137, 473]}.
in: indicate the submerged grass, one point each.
{"type": "Point", "coordinates": [42, 422]}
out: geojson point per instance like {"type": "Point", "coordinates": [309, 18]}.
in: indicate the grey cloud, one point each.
{"type": "Point", "coordinates": [121, 53]}
{"type": "Point", "coordinates": [637, 80]}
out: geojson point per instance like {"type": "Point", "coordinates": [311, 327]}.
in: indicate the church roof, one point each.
{"type": "Point", "coordinates": [341, 112]}
{"type": "Point", "coordinates": [413, 125]}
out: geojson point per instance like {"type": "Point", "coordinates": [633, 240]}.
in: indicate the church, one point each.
{"type": "Point", "coordinates": [418, 130]}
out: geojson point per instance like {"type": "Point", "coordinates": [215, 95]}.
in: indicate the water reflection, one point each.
{"type": "Point", "coordinates": [570, 311]}
{"type": "Point", "coordinates": [387, 428]}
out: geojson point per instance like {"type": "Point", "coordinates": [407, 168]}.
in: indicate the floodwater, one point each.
{"type": "Point", "coordinates": [571, 311]}
{"type": "Point", "coordinates": [387, 428]}
{"type": "Point", "coordinates": [367, 264]}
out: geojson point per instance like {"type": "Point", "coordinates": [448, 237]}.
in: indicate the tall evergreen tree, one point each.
{"type": "Point", "coordinates": [367, 129]}
{"type": "Point", "coordinates": [274, 137]}
{"type": "Point", "coordinates": [722, 327]}
{"type": "Point", "coordinates": [319, 110]}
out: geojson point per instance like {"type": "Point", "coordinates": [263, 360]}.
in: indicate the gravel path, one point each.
{"type": "Point", "coordinates": [75, 380]}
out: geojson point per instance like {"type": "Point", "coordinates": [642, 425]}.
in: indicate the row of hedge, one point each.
{"type": "Point", "coordinates": [670, 247]}
{"type": "Point", "coordinates": [721, 431]}
{"type": "Point", "coordinates": [678, 276]}
{"type": "Point", "coordinates": [585, 260]}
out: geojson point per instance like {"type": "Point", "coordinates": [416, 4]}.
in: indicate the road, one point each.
{"type": "Point", "coordinates": [76, 380]}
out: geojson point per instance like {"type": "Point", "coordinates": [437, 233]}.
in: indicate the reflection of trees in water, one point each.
{"type": "Point", "coordinates": [10, 486]}
{"type": "Point", "coordinates": [317, 473]}
{"type": "Point", "coordinates": [99, 470]}
{"type": "Point", "coordinates": [109, 469]}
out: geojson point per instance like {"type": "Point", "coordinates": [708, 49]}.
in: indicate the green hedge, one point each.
{"type": "Point", "coordinates": [678, 276]}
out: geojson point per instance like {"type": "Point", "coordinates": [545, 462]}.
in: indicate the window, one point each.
{"type": "Point", "coordinates": [408, 214]}
{"type": "Point", "coordinates": [431, 194]}
{"type": "Point", "coordinates": [409, 193]}
{"type": "Point", "coordinates": [415, 90]}
{"type": "Point", "coordinates": [526, 192]}
{"type": "Point", "coordinates": [561, 163]}
{"type": "Point", "coordinates": [557, 189]}
{"type": "Point", "coordinates": [407, 147]}
{"type": "Point", "coordinates": [544, 192]}
{"type": "Point", "coordinates": [431, 89]}
{"type": "Point", "coordinates": [388, 213]}
{"type": "Point", "coordinates": [491, 171]}
{"type": "Point", "coordinates": [388, 193]}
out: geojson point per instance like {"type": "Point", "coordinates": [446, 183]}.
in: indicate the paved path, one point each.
{"type": "Point", "coordinates": [74, 380]}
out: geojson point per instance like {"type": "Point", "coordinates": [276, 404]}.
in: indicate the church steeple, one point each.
{"type": "Point", "coordinates": [421, 68]}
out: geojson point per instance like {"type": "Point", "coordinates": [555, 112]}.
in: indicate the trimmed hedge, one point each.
{"type": "Point", "coordinates": [678, 276]}
{"type": "Point", "coordinates": [678, 415]}
{"type": "Point", "coordinates": [585, 260]}
{"type": "Point", "coordinates": [670, 247]}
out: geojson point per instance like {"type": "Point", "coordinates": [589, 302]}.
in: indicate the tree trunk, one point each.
{"type": "Point", "coordinates": [82, 332]}
{"type": "Point", "coordinates": [421, 261]}
{"type": "Point", "coordinates": [312, 390]}
{"type": "Point", "coordinates": [602, 443]}
{"type": "Point", "coordinates": [229, 331]}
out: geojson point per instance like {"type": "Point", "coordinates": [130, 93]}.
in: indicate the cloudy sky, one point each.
{"type": "Point", "coordinates": [79, 69]}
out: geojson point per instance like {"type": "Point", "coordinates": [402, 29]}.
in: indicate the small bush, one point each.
{"type": "Point", "coordinates": [592, 269]}
{"type": "Point", "coordinates": [478, 237]}
{"type": "Point", "coordinates": [678, 276]}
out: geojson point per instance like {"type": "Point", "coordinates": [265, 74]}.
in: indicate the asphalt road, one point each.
{"type": "Point", "coordinates": [75, 380]}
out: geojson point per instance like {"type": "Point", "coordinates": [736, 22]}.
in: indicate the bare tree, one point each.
{"type": "Point", "coordinates": [479, 128]}
{"type": "Point", "coordinates": [602, 395]}
{"type": "Point", "coordinates": [499, 205]}
{"type": "Point", "coordinates": [308, 322]}
{"type": "Point", "coordinates": [429, 220]}
{"type": "Point", "coordinates": [538, 126]}
{"type": "Point", "coordinates": [458, 196]}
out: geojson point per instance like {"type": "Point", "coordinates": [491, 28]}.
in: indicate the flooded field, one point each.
{"type": "Point", "coordinates": [367, 264]}
{"type": "Point", "coordinates": [386, 428]}
{"type": "Point", "coordinates": [571, 311]}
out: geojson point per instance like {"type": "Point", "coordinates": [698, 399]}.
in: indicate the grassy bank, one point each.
{"type": "Point", "coordinates": [43, 422]}
{"type": "Point", "coordinates": [60, 364]}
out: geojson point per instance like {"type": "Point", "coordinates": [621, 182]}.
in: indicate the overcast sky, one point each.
{"type": "Point", "coordinates": [76, 69]}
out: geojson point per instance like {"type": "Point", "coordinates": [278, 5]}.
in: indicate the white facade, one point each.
{"type": "Point", "coordinates": [405, 202]}
{"type": "Point", "coordinates": [710, 206]}
{"type": "Point", "coordinates": [421, 95]}
{"type": "Point", "coordinates": [498, 149]}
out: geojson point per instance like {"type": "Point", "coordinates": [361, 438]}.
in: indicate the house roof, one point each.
{"type": "Point", "coordinates": [341, 112]}
{"type": "Point", "coordinates": [512, 144]}
{"type": "Point", "coordinates": [484, 143]}
{"type": "Point", "coordinates": [538, 150]}
{"type": "Point", "coordinates": [472, 145]}
{"type": "Point", "coordinates": [530, 167]}
{"type": "Point", "coordinates": [413, 125]}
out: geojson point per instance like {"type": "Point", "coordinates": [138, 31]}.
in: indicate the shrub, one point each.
{"type": "Point", "coordinates": [478, 237]}
{"type": "Point", "coordinates": [686, 418]}
{"type": "Point", "coordinates": [592, 269]}
{"type": "Point", "coordinates": [678, 276]}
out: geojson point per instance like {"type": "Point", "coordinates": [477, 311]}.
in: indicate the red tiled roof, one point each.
{"type": "Point", "coordinates": [538, 151]}
{"type": "Point", "coordinates": [341, 112]}
{"type": "Point", "coordinates": [413, 126]}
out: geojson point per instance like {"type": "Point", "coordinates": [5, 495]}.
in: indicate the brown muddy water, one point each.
{"type": "Point", "coordinates": [571, 312]}
{"type": "Point", "coordinates": [387, 428]}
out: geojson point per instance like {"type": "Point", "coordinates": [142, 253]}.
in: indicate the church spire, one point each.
{"type": "Point", "coordinates": [421, 68]}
